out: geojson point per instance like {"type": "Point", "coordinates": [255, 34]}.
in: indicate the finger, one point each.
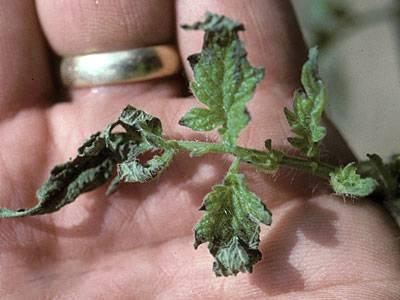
{"type": "Point", "coordinates": [81, 26]}
{"type": "Point", "coordinates": [24, 73]}
{"type": "Point", "coordinates": [272, 37]}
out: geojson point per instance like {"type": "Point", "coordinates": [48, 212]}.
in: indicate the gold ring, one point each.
{"type": "Point", "coordinates": [119, 67]}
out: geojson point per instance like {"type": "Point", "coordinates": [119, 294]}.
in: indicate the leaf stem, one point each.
{"type": "Point", "coordinates": [317, 168]}
{"type": "Point", "coordinates": [260, 159]}
{"type": "Point", "coordinates": [194, 146]}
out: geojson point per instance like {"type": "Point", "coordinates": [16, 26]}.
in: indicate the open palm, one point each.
{"type": "Point", "coordinates": [137, 243]}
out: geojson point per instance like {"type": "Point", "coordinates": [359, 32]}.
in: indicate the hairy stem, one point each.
{"type": "Point", "coordinates": [319, 169]}
{"type": "Point", "coordinates": [260, 159]}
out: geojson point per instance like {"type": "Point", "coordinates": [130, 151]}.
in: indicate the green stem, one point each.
{"type": "Point", "coordinates": [264, 160]}
{"type": "Point", "coordinates": [192, 146]}
{"type": "Point", "coordinates": [316, 168]}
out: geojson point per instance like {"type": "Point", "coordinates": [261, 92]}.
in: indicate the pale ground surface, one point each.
{"type": "Point", "coordinates": [363, 75]}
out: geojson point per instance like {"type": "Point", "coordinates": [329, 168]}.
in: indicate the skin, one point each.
{"type": "Point", "coordinates": [137, 244]}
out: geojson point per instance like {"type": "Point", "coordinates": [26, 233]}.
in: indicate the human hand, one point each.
{"type": "Point", "coordinates": [137, 244]}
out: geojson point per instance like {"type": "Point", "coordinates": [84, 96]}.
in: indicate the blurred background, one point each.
{"type": "Point", "coordinates": [359, 41]}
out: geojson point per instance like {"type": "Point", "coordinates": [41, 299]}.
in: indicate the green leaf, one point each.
{"type": "Point", "coordinates": [134, 171]}
{"type": "Point", "coordinates": [215, 23]}
{"type": "Point", "coordinates": [345, 181]}
{"type": "Point", "coordinates": [143, 135]}
{"type": "Point", "coordinates": [310, 76]}
{"type": "Point", "coordinates": [383, 173]}
{"type": "Point", "coordinates": [97, 159]}
{"type": "Point", "coordinates": [388, 177]}
{"type": "Point", "coordinates": [91, 168]}
{"type": "Point", "coordinates": [223, 79]}
{"type": "Point", "coordinates": [308, 107]}
{"type": "Point", "coordinates": [134, 120]}
{"type": "Point", "coordinates": [231, 225]}
{"type": "Point", "coordinates": [201, 119]}
{"type": "Point", "coordinates": [141, 131]}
